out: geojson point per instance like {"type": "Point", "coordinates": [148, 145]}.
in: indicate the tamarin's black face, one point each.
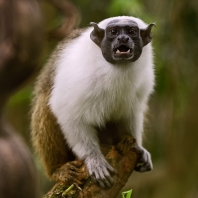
{"type": "Point", "coordinates": [122, 40]}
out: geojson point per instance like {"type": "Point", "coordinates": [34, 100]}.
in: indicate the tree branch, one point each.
{"type": "Point", "coordinates": [70, 17]}
{"type": "Point", "coordinates": [122, 157]}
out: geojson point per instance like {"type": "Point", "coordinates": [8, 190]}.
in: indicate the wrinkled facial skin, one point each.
{"type": "Point", "coordinates": [122, 40]}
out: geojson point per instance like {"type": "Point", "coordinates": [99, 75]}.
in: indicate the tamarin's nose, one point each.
{"type": "Point", "coordinates": [123, 38]}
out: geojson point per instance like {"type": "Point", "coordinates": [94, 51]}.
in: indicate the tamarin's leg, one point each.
{"type": "Point", "coordinates": [144, 162]}
{"type": "Point", "coordinates": [128, 143]}
{"type": "Point", "coordinates": [126, 129]}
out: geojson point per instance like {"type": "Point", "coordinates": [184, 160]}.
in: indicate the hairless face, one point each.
{"type": "Point", "coordinates": [122, 40]}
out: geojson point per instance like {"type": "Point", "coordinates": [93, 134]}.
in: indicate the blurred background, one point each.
{"type": "Point", "coordinates": [171, 135]}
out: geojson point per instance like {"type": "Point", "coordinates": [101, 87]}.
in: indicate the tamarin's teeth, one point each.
{"type": "Point", "coordinates": [117, 51]}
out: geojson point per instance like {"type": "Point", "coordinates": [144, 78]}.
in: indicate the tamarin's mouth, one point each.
{"type": "Point", "coordinates": [122, 49]}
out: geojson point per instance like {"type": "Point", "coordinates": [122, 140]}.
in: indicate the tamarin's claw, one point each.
{"type": "Point", "coordinates": [71, 172]}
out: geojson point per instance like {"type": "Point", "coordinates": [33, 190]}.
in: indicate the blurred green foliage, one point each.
{"type": "Point", "coordinates": [172, 130]}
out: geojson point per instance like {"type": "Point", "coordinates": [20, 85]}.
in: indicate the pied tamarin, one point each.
{"type": "Point", "coordinates": [97, 78]}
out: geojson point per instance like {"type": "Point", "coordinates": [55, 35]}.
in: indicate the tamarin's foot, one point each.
{"type": "Point", "coordinates": [71, 172]}
{"type": "Point", "coordinates": [144, 162]}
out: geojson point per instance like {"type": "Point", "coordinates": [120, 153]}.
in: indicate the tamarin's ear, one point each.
{"type": "Point", "coordinates": [97, 34]}
{"type": "Point", "coordinates": [146, 34]}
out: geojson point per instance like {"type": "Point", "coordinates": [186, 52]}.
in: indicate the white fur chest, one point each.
{"type": "Point", "coordinates": [94, 97]}
{"type": "Point", "coordinates": [108, 98]}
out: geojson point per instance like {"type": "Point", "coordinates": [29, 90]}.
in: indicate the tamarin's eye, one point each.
{"type": "Point", "coordinates": [113, 31]}
{"type": "Point", "coordinates": [132, 31]}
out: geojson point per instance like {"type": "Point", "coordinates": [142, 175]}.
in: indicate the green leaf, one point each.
{"type": "Point", "coordinates": [127, 194]}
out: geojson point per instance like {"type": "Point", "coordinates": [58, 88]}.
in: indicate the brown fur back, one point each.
{"type": "Point", "coordinates": [47, 137]}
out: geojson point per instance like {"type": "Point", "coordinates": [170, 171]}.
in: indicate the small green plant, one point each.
{"type": "Point", "coordinates": [127, 194]}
